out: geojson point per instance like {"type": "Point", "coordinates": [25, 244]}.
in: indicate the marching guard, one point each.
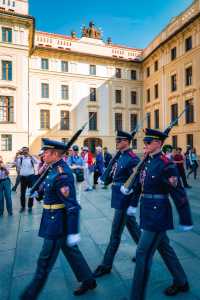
{"type": "Point", "coordinates": [158, 178]}
{"type": "Point", "coordinates": [59, 224]}
{"type": "Point", "coordinates": [124, 214]}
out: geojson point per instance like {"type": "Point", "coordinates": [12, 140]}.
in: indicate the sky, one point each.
{"type": "Point", "coordinates": [127, 22]}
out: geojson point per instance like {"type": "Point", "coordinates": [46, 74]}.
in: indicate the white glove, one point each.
{"type": "Point", "coordinates": [73, 239]}
{"type": "Point", "coordinates": [131, 211]}
{"type": "Point", "coordinates": [99, 181]}
{"type": "Point", "coordinates": [125, 191]}
{"type": "Point", "coordinates": [185, 228]}
{"type": "Point", "coordinates": [29, 195]}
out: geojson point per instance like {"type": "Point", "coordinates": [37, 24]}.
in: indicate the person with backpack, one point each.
{"type": "Point", "coordinates": [26, 165]}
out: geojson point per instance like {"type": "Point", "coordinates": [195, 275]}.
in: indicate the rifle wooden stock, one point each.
{"type": "Point", "coordinates": [129, 184]}
{"type": "Point", "coordinates": [107, 175]}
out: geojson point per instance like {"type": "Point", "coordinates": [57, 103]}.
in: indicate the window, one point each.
{"type": "Point", "coordinates": [6, 70]}
{"type": "Point", "coordinates": [188, 44]}
{"type": "Point", "coordinates": [118, 121]}
{"type": "Point", "coordinates": [148, 96]}
{"type": "Point", "coordinates": [156, 119]}
{"type": "Point", "coordinates": [92, 121]}
{"type": "Point", "coordinates": [174, 113]}
{"type": "Point", "coordinates": [64, 92]}
{"type": "Point", "coordinates": [92, 70]}
{"type": "Point", "coordinates": [189, 140]}
{"type": "Point", "coordinates": [118, 73]}
{"type": "Point", "coordinates": [156, 91]}
{"type": "Point", "coordinates": [133, 121]}
{"type": "Point", "coordinates": [156, 65]}
{"type": "Point", "coordinates": [93, 94]}
{"type": "Point", "coordinates": [44, 64]}
{"type": "Point", "coordinates": [118, 96]}
{"type": "Point", "coordinates": [148, 71]}
{"type": "Point", "coordinates": [6, 35]}
{"type": "Point", "coordinates": [173, 83]}
{"type": "Point", "coordinates": [64, 66]}
{"type": "Point", "coordinates": [173, 53]}
{"type": "Point", "coordinates": [6, 142]}
{"type": "Point", "coordinates": [64, 120]}
{"type": "Point", "coordinates": [133, 97]}
{"type": "Point", "coordinates": [45, 90]}
{"type": "Point", "coordinates": [133, 75]}
{"type": "Point", "coordinates": [188, 76]}
{"type": "Point", "coordinates": [148, 120]}
{"type": "Point", "coordinates": [174, 141]}
{"type": "Point", "coordinates": [44, 119]}
{"type": "Point", "coordinates": [6, 109]}
{"type": "Point", "coordinates": [189, 114]}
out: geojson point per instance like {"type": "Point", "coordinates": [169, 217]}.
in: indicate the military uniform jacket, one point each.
{"type": "Point", "coordinates": [159, 179]}
{"type": "Point", "coordinates": [121, 171]}
{"type": "Point", "coordinates": [58, 188]}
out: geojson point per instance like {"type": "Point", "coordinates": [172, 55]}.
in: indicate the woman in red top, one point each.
{"type": "Point", "coordinates": [179, 161]}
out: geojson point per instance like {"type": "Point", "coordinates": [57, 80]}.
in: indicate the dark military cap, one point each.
{"type": "Point", "coordinates": [51, 144]}
{"type": "Point", "coordinates": [123, 135]}
{"type": "Point", "coordinates": [152, 134]}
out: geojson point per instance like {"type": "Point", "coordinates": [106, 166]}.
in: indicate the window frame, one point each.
{"type": "Point", "coordinates": [8, 143]}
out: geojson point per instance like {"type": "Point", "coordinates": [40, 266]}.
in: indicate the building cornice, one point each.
{"type": "Point", "coordinates": [187, 24]}
{"type": "Point", "coordinates": [38, 50]}
{"type": "Point", "coordinates": [24, 20]}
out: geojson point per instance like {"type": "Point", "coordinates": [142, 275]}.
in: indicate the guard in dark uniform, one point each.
{"type": "Point", "coordinates": [158, 179]}
{"type": "Point", "coordinates": [59, 225]}
{"type": "Point", "coordinates": [124, 212]}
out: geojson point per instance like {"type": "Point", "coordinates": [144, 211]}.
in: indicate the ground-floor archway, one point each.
{"type": "Point", "coordinates": [92, 143]}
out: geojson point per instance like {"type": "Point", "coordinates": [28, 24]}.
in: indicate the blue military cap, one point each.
{"type": "Point", "coordinates": [51, 144]}
{"type": "Point", "coordinates": [123, 135]}
{"type": "Point", "coordinates": [152, 134]}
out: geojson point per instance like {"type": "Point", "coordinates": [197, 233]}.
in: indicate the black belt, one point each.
{"type": "Point", "coordinates": [155, 196]}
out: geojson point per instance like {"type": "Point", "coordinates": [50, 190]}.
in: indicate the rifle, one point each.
{"type": "Point", "coordinates": [107, 175]}
{"type": "Point", "coordinates": [132, 182]}
{"type": "Point", "coordinates": [68, 146]}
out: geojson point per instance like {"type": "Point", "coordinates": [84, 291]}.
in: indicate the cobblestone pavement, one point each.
{"type": "Point", "coordinates": [20, 246]}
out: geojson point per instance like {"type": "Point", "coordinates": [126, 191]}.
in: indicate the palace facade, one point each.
{"type": "Point", "coordinates": [51, 84]}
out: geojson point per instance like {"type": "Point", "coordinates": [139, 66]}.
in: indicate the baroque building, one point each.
{"type": "Point", "coordinates": [51, 84]}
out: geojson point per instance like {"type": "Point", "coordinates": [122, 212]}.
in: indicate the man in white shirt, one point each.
{"type": "Point", "coordinates": [26, 164]}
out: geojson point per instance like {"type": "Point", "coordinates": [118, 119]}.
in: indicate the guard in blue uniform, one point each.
{"type": "Point", "coordinates": [59, 225]}
{"type": "Point", "coordinates": [158, 179]}
{"type": "Point", "coordinates": [124, 213]}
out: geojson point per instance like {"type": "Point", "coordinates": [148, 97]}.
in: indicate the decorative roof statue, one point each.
{"type": "Point", "coordinates": [73, 34]}
{"type": "Point", "coordinates": [91, 32]}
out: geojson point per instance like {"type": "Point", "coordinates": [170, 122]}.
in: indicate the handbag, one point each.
{"type": "Point", "coordinates": [79, 174]}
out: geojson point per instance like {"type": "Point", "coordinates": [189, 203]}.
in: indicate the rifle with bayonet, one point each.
{"type": "Point", "coordinates": [131, 182]}
{"type": "Point", "coordinates": [106, 178]}
{"type": "Point", "coordinates": [68, 146]}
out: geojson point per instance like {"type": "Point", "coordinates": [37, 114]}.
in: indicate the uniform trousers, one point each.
{"type": "Point", "coordinates": [149, 242]}
{"type": "Point", "coordinates": [47, 259]}
{"type": "Point", "coordinates": [120, 220]}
